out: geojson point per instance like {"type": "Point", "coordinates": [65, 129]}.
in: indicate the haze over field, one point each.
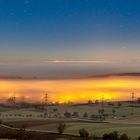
{"type": "Point", "coordinates": [72, 90]}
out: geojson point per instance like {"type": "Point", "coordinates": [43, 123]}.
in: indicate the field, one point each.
{"type": "Point", "coordinates": [34, 120]}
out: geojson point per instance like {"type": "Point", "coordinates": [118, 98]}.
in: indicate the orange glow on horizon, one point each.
{"type": "Point", "coordinates": [79, 90]}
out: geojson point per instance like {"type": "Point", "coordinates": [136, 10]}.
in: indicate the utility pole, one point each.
{"type": "Point", "coordinates": [46, 102]}
{"type": "Point", "coordinates": [14, 98]}
{"type": "Point", "coordinates": [132, 103]}
{"type": "Point", "coordinates": [102, 102]}
{"type": "Point", "coordinates": [102, 106]}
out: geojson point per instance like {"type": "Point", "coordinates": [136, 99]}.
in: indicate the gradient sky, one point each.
{"type": "Point", "coordinates": [41, 30]}
{"type": "Point", "coordinates": [40, 33]}
{"type": "Point", "coordinates": [61, 40]}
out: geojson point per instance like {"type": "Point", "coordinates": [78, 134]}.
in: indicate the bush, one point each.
{"type": "Point", "coordinates": [124, 137]}
{"type": "Point", "coordinates": [111, 136]}
{"type": "Point", "coordinates": [93, 117]}
{"type": "Point", "coordinates": [83, 133]}
{"type": "Point", "coordinates": [75, 114]}
{"type": "Point", "coordinates": [105, 136]}
{"type": "Point", "coordinates": [61, 127]}
{"type": "Point", "coordinates": [67, 114]}
{"type": "Point", "coordinates": [85, 115]}
{"type": "Point", "coordinates": [123, 116]}
{"type": "Point", "coordinates": [0, 121]}
{"type": "Point", "coordinates": [55, 109]}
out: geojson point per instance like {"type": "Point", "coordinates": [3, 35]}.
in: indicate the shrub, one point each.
{"type": "Point", "coordinates": [93, 116]}
{"type": "Point", "coordinates": [83, 133]}
{"type": "Point", "coordinates": [0, 121]}
{"type": "Point", "coordinates": [124, 137]}
{"type": "Point", "coordinates": [111, 136]}
{"type": "Point", "coordinates": [67, 114]}
{"type": "Point", "coordinates": [114, 135]}
{"type": "Point", "coordinates": [61, 127]}
{"type": "Point", "coordinates": [55, 109]}
{"type": "Point", "coordinates": [113, 111]}
{"type": "Point", "coordinates": [123, 116]}
{"type": "Point", "coordinates": [105, 136]}
{"type": "Point", "coordinates": [101, 111]}
{"type": "Point", "coordinates": [75, 114]}
{"type": "Point", "coordinates": [119, 104]}
{"type": "Point", "coordinates": [85, 115]}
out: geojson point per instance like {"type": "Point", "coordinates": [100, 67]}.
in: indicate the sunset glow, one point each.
{"type": "Point", "coordinates": [71, 90]}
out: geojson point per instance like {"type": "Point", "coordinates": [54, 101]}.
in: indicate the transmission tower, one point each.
{"type": "Point", "coordinates": [46, 102]}
{"type": "Point", "coordinates": [132, 103]}
{"type": "Point", "coordinates": [14, 98]}
{"type": "Point", "coordinates": [102, 102]}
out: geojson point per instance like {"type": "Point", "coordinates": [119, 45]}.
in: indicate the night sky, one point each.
{"type": "Point", "coordinates": [64, 38]}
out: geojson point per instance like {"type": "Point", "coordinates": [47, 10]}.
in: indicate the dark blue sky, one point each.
{"type": "Point", "coordinates": [38, 31]}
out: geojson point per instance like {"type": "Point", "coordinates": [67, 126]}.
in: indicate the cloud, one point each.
{"type": "Point", "coordinates": [132, 74]}
{"type": "Point", "coordinates": [79, 61]}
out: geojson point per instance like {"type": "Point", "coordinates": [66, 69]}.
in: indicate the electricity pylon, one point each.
{"type": "Point", "coordinates": [132, 103]}
{"type": "Point", "coordinates": [46, 102]}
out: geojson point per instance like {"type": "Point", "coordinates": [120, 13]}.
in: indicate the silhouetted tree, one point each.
{"type": "Point", "coordinates": [124, 137]}
{"type": "Point", "coordinates": [61, 127]}
{"type": "Point", "coordinates": [110, 104]}
{"type": "Point", "coordinates": [138, 100]}
{"type": "Point", "coordinates": [85, 115]}
{"type": "Point", "coordinates": [67, 114]}
{"type": "Point", "coordinates": [55, 109]}
{"type": "Point", "coordinates": [89, 102]}
{"type": "Point", "coordinates": [75, 114]}
{"type": "Point", "coordinates": [83, 133]}
{"type": "Point", "coordinates": [93, 116]}
{"type": "Point", "coordinates": [113, 112]}
{"type": "Point", "coordinates": [96, 102]}
{"type": "Point", "coordinates": [101, 113]}
{"type": "Point", "coordinates": [0, 121]}
{"type": "Point", "coordinates": [11, 100]}
{"type": "Point", "coordinates": [119, 104]}
{"type": "Point", "coordinates": [111, 136]}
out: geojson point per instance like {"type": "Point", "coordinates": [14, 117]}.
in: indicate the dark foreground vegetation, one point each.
{"type": "Point", "coordinates": [22, 134]}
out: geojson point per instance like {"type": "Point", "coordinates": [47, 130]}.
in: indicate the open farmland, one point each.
{"type": "Point", "coordinates": [123, 122]}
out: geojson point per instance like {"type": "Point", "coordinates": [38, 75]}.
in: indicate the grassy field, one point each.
{"type": "Point", "coordinates": [35, 120]}
{"type": "Point", "coordinates": [93, 128]}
